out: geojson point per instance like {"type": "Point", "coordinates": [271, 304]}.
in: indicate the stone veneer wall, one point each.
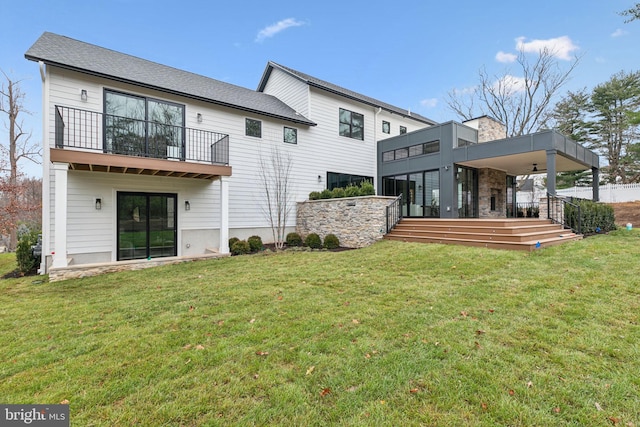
{"type": "Point", "coordinates": [356, 221]}
{"type": "Point", "coordinates": [492, 183]}
{"type": "Point", "coordinates": [490, 129]}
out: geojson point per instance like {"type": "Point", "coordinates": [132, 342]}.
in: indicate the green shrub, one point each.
{"type": "Point", "coordinates": [594, 217]}
{"type": "Point", "coordinates": [314, 195]}
{"type": "Point", "coordinates": [367, 188]}
{"type": "Point", "coordinates": [241, 247]}
{"type": "Point", "coordinates": [294, 239]}
{"type": "Point", "coordinates": [255, 243]}
{"type": "Point", "coordinates": [352, 191]}
{"type": "Point", "coordinates": [24, 255]}
{"type": "Point", "coordinates": [331, 241]}
{"type": "Point", "coordinates": [313, 241]}
{"type": "Point", "coordinates": [232, 241]}
{"type": "Point", "coordinates": [338, 193]}
{"type": "Point", "coordinates": [326, 194]}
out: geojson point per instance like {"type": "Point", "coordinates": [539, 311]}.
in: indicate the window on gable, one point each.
{"type": "Point", "coordinates": [290, 135]}
{"type": "Point", "coordinates": [386, 127]}
{"type": "Point", "coordinates": [351, 124]}
{"type": "Point", "coordinates": [253, 128]}
{"type": "Point", "coordinates": [403, 130]}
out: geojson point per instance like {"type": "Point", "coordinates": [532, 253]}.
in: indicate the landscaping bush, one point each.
{"type": "Point", "coordinates": [331, 241]}
{"type": "Point", "coordinates": [326, 194]}
{"type": "Point", "coordinates": [294, 239]}
{"type": "Point", "coordinates": [338, 193]}
{"type": "Point", "coordinates": [255, 243]}
{"type": "Point", "coordinates": [352, 191]}
{"type": "Point", "coordinates": [594, 217]}
{"type": "Point", "coordinates": [313, 241]}
{"type": "Point", "coordinates": [24, 255]}
{"type": "Point", "coordinates": [241, 247]}
{"type": "Point", "coordinates": [232, 241]}
{"type": "Point", "coordinates": [314, 195]}
{"type": "Point", "coordinates": [367, 189]}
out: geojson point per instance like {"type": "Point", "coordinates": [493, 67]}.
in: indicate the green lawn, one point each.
{"type": "Point", "coordinates": [393, 334]}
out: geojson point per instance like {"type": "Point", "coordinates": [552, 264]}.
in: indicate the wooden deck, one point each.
{"type": "Point", "coordinates": [500, 233]}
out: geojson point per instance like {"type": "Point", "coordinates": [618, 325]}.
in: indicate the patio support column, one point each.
{"type": "Point", "coordinates": [224, 215]}
{"type": "Point", "coordinates": [595, 184]}
{"type": "Point", "coordinates": [60, 215]}
{"type": "Point", "coordinates": [551, 171]}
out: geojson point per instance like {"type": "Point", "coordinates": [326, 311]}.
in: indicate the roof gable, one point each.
{"type": "Point", "coordinates": [330, 87]}
{"type": "Point", "coordinates": [69, 53]}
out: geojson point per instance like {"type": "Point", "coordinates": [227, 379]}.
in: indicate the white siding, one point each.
{"type": "Point", "coordinates": [290, 90]}
{"type": "Point", "coordinates": [94, 231]}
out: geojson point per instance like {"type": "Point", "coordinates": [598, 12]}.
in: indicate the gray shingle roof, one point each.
{"type": "Point", "coordinates": [330, 87]}
{"type": "Point", "coordinates": [72, 54]}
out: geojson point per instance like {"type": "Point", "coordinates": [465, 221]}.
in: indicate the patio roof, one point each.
{"type": "Point", "coordinates": [518, 155]}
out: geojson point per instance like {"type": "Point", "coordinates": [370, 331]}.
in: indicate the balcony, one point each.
{"type": "Point", "coordinates": [93, 141]}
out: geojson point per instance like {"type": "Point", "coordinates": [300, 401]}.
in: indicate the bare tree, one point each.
{"type": "Point", "coordinates": [522, 102]}
{"type": "Point", "coordinates": [632, 13]}
{"type": "Point", "coordinates": [275, 177]}
{"type": "Point", "coordinates": [18, 147]}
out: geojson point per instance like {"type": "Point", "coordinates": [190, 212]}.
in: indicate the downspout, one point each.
{"type": "Point", "coordinates": [46, 180]}
{"type": "Point", "coordinates": [375, 148]}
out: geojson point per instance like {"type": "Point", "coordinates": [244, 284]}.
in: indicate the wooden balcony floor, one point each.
{"type": "Point", "coordinates": [500, 233]}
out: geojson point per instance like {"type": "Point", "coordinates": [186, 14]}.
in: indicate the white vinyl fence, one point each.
{"type": "Point", "coordinates": [610, 193]}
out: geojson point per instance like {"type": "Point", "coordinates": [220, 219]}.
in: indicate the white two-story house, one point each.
{"type": "Point", "coordinates": [142, 160]}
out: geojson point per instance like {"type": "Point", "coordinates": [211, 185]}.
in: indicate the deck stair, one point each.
{"type": "Point", "coordinates": [499, 233]}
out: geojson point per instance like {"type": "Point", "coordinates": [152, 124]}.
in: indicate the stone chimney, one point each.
{"type": "Point", "coordinates": [489, 129]}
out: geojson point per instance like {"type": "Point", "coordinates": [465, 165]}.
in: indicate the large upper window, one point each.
{"type": "Point", "coordinates": [139, 126]}
{"type": "Point", "coordinates": [351, 124]}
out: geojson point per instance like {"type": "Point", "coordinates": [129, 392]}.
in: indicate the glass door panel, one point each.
{"type": "Point", "coordinates": [162, 235]}
{"type": "Point", "coordinates": [416, 194]}
{"type": "Point", "coordinates": [124, 124]}
{"type": "Point", "coordinates": [467, 193]}
{"type": "Point", "coordinates": [132, 226]}
{"type": "Point", "coordinates": [432, 194]}
{"type": "Point", "coordinates": [166, 124]}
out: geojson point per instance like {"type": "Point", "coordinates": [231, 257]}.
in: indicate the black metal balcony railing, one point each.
{"type": "Point", "coordinates": [82, 129]}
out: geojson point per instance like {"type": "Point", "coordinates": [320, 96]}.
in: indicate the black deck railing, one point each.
{"type": "Point", "coordinates": [561, 210]}
{"type": "Point", "coordinates": [394, 213]}
{"type": "Point", "coordinates": [89, 130]}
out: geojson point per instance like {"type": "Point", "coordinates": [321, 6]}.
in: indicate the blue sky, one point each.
{"type": "Point", "coordinates": [406, 53]}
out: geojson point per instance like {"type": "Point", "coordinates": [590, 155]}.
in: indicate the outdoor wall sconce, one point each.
{"type": "Point", "coordinates": [83, 95]}
{"type": "Point", "coordinates": [319, 178]}
{"type": "Point", "coordinates": [535, 167]}
{"type": "Point", "coordinates": [446, 167]}
{"type": "Point", "coordinates": [199, 117]}
{"type": "Point", "coordinates": [98, 203]}
{"type": "Point", "coordinates": [187, 205]}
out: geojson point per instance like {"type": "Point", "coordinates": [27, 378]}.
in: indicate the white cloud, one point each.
{"type": "Point", "coordinates": [619, 32]}
{"type": "Point", "coordinates": [510, 85]}
{"type": "Point", "coordinates": [276, 28]}
{"type": "Point", "coordinates": [429, 102]}
{"type": "Point", "coordinates": [560, 47]}
{"type": "Point", "coordinates": [506, 57]}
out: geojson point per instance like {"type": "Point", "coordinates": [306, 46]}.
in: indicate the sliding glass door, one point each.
{"type": "Point", "coordinates": [146, 225]}
{"type": "Point", "coordinates": [420, 193]}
